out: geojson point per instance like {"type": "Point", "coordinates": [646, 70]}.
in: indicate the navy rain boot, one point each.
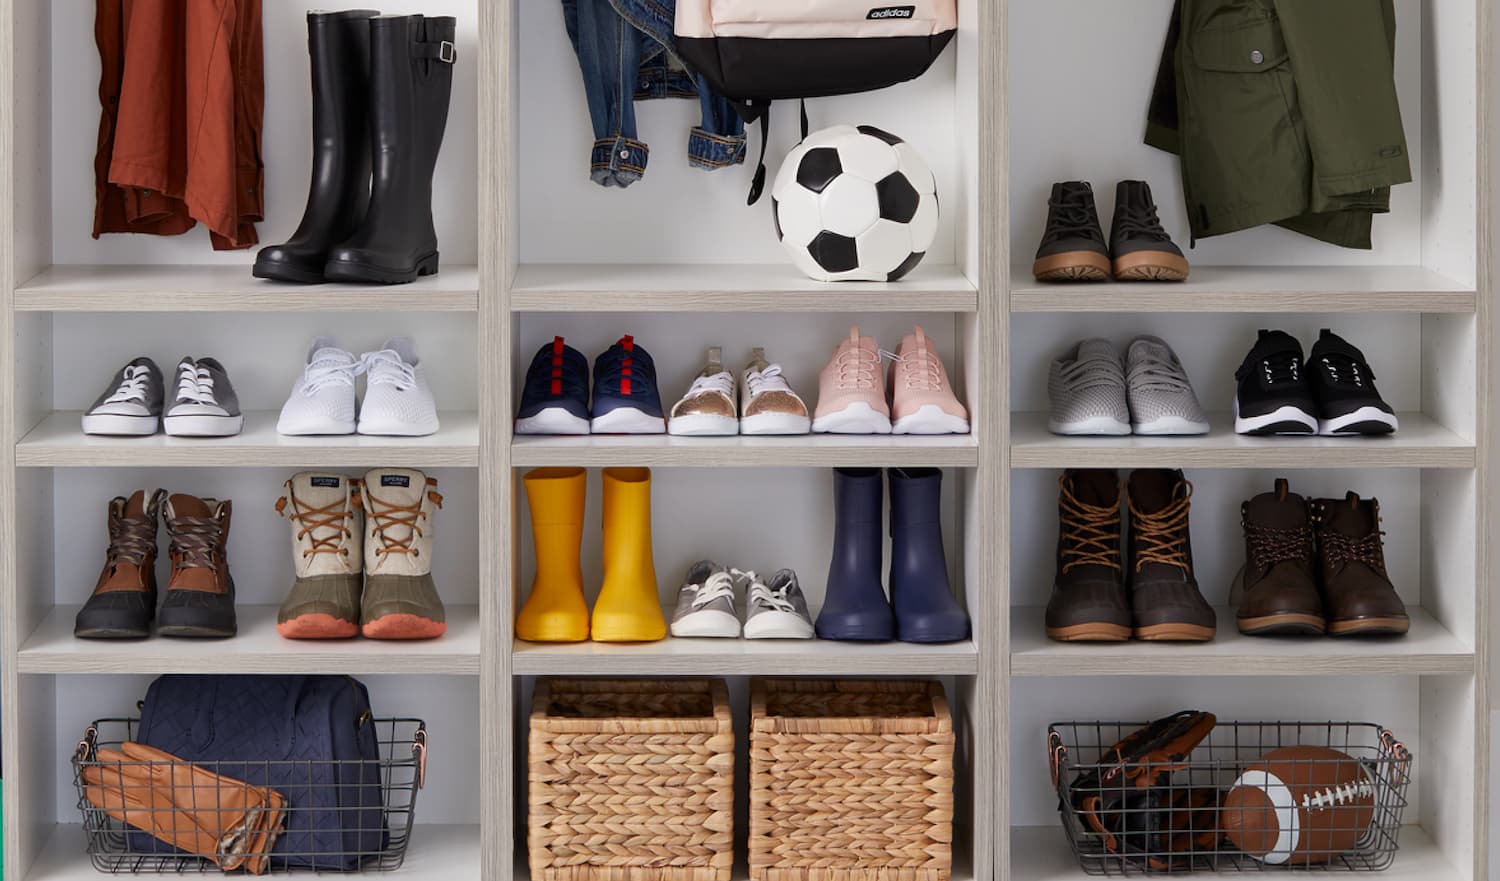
{"type": "Point", "coordinates": [925, 608]}
{"type": "Point", "coordinates": [854, 606]}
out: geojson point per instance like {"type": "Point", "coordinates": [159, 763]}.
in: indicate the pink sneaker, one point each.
{"type": "Point", "coordinates": [851, 390]}
{"type": "Point", "coordinates": [923, 400]}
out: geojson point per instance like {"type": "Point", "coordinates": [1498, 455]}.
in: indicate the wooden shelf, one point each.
{"type": "Point", "coordinates": [258, 648]}
{"type": "Point", "coordinates": [1041, 853]}
{"type": "Point", "coordinates": [1420, 443]}
{"type": "Point", "coordinates": [436, 852]}
{"type": "Point", "coordinates": [1255, 289]}
{"type": "Point", "coordinates": [1429, 648]}
{"type": "Point", "coordinates": [743, 657]}
{"type": "Point", "coordinates": [811, 451]}
{"type": "Point", "coordinates": [58, 442]}
{"type": "Point", "coordinates": [619, 287]}
{"type": "Point", "coordinates": [234, 289]}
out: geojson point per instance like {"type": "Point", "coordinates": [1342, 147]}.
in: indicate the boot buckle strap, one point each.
{"type": "Point", "coordinates": [444, 51]}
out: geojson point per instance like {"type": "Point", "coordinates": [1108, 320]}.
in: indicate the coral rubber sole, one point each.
{"type": "Point", "coordinates": [403, 626]}
{"type": "Point", "coordinates": [317, 626]}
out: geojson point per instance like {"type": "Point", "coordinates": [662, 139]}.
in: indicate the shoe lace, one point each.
{"type": "Point", "coordinates": [550, 375]}
{"type": "Point", "coordinates": [388, 516]}
{"type": "Point", "coordinates": [1072, 216]}
{"type": "Point", "coordinates": [1151, 371]}
{"type": "Point", "coordinates": [716, 586]}
{"type": "Point", "coordinates": [767, 380]}
{"type": "Point", "coordinates": [1340, 549]}
{"type": "Point", "coordinates": [627, 369]}
{"type": "Point", "coordinates": [1140, 222]}
{"type": "Point", "coordinates": [386, 367]}
{"type": "Point", "coordinates": [1277, 369]}
{"type": "Point", "coordinates": [1091, 372]}
{"type": "Point", "coordinates": [1164, 534]}
{"type": "Point", "coordinates": [131, 540]}
{"type": "Point", "coordinates": [1091, 534]}
{"type": "Point", "coordinates": [858, 368]}
{"type": "Point", "coordinates": [327, 370]}
{"type": "Point", "coordinates": [1341, 369]}
{"type": "Point", "coordinates": [719, 383]}
{"type": "Point", "coordinates": [776, 598]}
{"type": "Point", "coordinates": [197, 542]}
{"type": "Point", "coordinates": [132, 385]}
{"type": "Point", "coordinates": [327, 526]}
{"type": "Point", "coordinates": [921, 368]}
{"type": "Point", "coordinates": [195, 384]}
{"type": "Point", "coordinates": [1269, 545]}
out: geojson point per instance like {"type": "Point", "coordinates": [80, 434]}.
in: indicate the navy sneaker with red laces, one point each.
{"type": "Point", "coordinates": [555, 399]}
{"type": "Point", "coordinates": [626, 400]}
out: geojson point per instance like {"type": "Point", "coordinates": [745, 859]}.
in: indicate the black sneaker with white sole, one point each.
{"type": "Point", "coordinates": [1272, 394]}
{"type": "Point", "coordinates": [131, 405]}
{"type": "Point", "coordinates": [204, 404]}
{"type": "Point", "coordinates": [1344, 387]}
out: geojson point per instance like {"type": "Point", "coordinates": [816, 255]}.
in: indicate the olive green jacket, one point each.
{"type": "Point", "coordinates": [1282, 111]}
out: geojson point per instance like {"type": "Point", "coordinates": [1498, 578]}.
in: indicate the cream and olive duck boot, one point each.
{"type": "Point", "coordinates": [400, 600]}
{"type": "Point", "coordinates": [327, 554]}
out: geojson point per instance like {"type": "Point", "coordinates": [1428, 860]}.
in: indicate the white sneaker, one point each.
{"type": "Point", "coordinates": [322, 400]}
{"type": "Point", "coordinates": [398, 401]}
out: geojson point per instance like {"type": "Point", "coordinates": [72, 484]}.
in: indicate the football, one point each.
{"type": "Point", "coordinates": [1299, 805]}
{"type": "Point", "coordinates": [855, 204]}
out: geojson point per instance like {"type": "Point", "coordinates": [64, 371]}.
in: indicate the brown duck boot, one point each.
{"type": "Point", "coordinates": [1088, 598]}
{"type": "Point", "coordinates": [1277, 588]}
{"type": "Point", "coordinates": [200, 597]}
{"type": "Point", "coordinates": [1357, 593]}
{"type": "Point", "coordinates": [400, 601]}
{"type": "Point", "coordinates": [327, 542]}
{"type": "Point", "coordinates": [1163, 591]}
{"type": "Point", "coordinates": [124, 599]}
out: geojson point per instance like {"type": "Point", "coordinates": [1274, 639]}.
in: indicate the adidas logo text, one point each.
{"type": "Point", "coordinates": [892, 12]}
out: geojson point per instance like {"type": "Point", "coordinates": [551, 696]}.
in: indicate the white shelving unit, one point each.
{"type": "Point", "coordinates": [532, 249]}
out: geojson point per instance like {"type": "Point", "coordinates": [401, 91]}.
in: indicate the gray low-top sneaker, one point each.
{"type": "Point", "coordinates": [1161, 398]}
{"type": "Point", "coordinates": [705, 603]}
{"type": "Point", "coordinates": [776, 609]}
{"type": "Point", "coordinates": [131, 405]}
{"type": "Point", "coordinates": [204, 404]}
{"type": "Point", "coordinates": [1087, 391]}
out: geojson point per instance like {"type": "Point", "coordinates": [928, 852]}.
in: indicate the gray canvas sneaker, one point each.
{"type": "Point", "coordinates": [1161, 398]}
{"type": "Point", "coordinates": [776, 609]}
{"type": "Point", "coordinates": [131, 405]}
{"type": "Point", "coordinates": [1087, 390]}
{"type": "Point", "coordinates": [204, 404]}
{"type": "Point", "coordinates": [705, 604]}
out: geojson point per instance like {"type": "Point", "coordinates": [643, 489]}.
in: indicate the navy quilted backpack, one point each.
{"type": "Point", "coordinates": [308, 737]}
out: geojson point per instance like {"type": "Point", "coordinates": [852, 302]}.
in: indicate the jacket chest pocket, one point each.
{"type": "Point", "coordinates": [1253, 47]}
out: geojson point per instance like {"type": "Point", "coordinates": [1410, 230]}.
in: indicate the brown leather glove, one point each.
{"type": "Point", "coordinates": [189, 807]}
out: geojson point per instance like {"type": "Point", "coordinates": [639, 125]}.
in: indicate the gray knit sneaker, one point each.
{"type": "Point", "coordinates": [705, 604]}
{"type": "Point", "coordinates": [1087, 391]}
{"type": "Point", "coordinates": [1161, 398]}
{"type": "Point", "coordinates": [776, 609]}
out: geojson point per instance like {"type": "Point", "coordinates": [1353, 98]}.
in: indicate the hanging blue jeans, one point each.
{"type": "Point", "coordinates": [627, 53]}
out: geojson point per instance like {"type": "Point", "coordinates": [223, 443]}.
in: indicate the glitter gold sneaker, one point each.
{"type": "Point", "coordinates": [768, 404]}
{"type": "Point", "coordinates": [708, 408]}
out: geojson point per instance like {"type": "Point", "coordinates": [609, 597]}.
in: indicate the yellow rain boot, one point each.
{"type": "Point", "coordinates": [556, 610]}
{"type": "Point", "coordinates": [628, 609]}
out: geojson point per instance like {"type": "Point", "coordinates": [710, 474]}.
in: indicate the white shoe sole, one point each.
{"type": "Point", "coordinates": [120, 426]}
{"type": "Point", "coordinates": [1094, 425]}
{"type": "Point", "coordinates": [1283, 420]}
{"type": "Point", "coordinates": [778, 625]}
{"type": "Point", "coordinates": [313, 428]}
{"type": "Point", "coordinates": [553, 420]}
{"type": "Point", "coordinates": [1170, 425]}
{"type": "Point", "coordinates": [707, 624]}
{"type": "Point", "coordinates": [1365, 420]}
{"type": "Point", "coordinates": [380, 428]}
{"type": "Point", "coordinates": [203, 426]}
{"type": "Point", "coordinates": [857, 418]}
{"type": "Point", "coordinates": [931, 419]}
{"type": "Point", "coordinates": [628, 420]}
{"type": "Point", "coordinates": [703, 425]}
{"type": "Point", "coordinates": [775, 423]}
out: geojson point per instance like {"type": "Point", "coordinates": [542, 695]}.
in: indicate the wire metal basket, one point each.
{"type": "Point", "coordinates": [362, 821]}
{"type": "Point", "coordinates": [1118, 825]}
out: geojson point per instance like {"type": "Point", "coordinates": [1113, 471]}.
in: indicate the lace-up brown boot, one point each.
{"type": "Point", "coordinates": [1088, 601]}
{"type": "Point", "coordinates": [1164, 593]}
{"type": "Point", "coordinates": [327, 537]}
{"type": "Point", "coordinates": [200, 596]}
{"type": "Point", "coordinates": [124, 599]}
{"type": "Point", "coordinates": [1357, 593]}
{"type": "Point", "coordinates": [400, 601]}
{"type": "Point", "coordinates": [1277, 585]}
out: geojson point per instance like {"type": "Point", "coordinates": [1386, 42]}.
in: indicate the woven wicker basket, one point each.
{"type": "Point", "coordinates": [631, 781]}
{"type": "Point", "coordinates": [850, 781]}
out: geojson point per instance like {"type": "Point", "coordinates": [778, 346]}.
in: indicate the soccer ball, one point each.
{"type": "Point", "coordinates": [855, 204]}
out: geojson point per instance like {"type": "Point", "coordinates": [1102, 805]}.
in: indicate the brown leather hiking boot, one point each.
{"type": "Point", "coordinates": [1277, 585]}
{"type": "Point", "coordinates": [1164, 594]}
{"type": "Point", "coordinates": [200, 595]}
{"type": "Point", "coordinates": [1088, 598]}
{"type": "Point", "coordinates": [1357, 593]}
{"type": "Point", "coordinates": [124, 599]}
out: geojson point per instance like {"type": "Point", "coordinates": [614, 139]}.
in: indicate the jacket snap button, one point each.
{"type": "Point", "coordinates": [1256, 56]}
{"type": "Point", "coordinates": [624, 154]}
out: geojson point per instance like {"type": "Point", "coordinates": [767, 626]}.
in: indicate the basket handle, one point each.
{"type": "Point", "coordinates": [419, 752]}
{"type": "Point", "coordinates": [1399, 752]}
{"type": "Point", "coordinates": [1056, 754]}
{"type": "Point", "coordinates": [86, 745]}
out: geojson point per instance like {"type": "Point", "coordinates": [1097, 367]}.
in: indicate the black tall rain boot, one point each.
{"type": "Point", "coordinates": [339, 44]}
{"type": "Point", "coordinates": [411, 59]}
